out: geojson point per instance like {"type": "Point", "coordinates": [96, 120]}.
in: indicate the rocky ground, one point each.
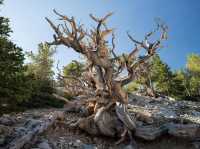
{"type": "Point", "coordinates": [161, 124]}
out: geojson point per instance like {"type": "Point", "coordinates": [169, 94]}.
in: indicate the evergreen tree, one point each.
{"type": "Point", "coordinates": [193, 64]}
{"type": "Point", "coordinates": [5, 29]}
{"type": "Point", "coordinates": [74, 69]}
{"type": "Point", "coordinates": [41, 68]}
{"type": "Point", "coordinates": [161, 76]}
{"type": "Point", "coordinates": [42, 62]}
{"type": "Point", "coordinates": [132, 87]}
{"type": "Point", "coordinates": [186, 82]}
{"type": "Point", "coordinates": [180, 85]}
{"type": "Point", "coordinates": [40, 71]}
{"type": "Point", "coordinates": [13, 86]}
{"type": "Point", "coordinates": [157, 79]}
{"type": "Point", "coordinates": [193, 71]}
{"type": "Point", "coordinates": [11, 70]}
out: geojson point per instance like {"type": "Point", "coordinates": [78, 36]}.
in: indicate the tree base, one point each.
{"type": "Point", "coordinates": [112, 120]}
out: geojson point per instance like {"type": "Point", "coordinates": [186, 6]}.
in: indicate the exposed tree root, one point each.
{"type": "Point", "coordinates": [111, 120]}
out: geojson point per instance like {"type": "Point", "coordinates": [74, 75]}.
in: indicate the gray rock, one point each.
{"type": "Point", "coordinates": [44, 145]}
{"type": "Point", "coordinates": [5, 131]}
{"type": "Point", "coordinates": [129, 146]}
{"type": "Point", "coordinates": [183, 130]}
{"type": "Point", "coordinates": [77, 143]}
{"type": "Point", "coordinates": [196, 145]}
{"type": "Point", "coordinates": [150, 132]}
{"type": "Point", "coordinates": [88, 146]}
{"type": "Point", "coordinates": [167, 113]}
{"type": "Point", "coordinates": [196, 113]}
{"type": "Point", "coordinates": [7, 120]}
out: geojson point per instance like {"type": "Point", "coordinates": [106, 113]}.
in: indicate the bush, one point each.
{"type": "Point", "coordinates": [43, 100]}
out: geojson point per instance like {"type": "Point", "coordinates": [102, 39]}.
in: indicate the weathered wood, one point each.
{"type": "Point", "coordinates": [60, 98]}
{"type": "Point", "coordinates": [32, 128]}
{"type": "Point", "coordinates": [124, 116]}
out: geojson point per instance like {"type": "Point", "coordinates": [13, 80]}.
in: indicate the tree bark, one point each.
{"type": "Point", "coordinates": [110, 116]}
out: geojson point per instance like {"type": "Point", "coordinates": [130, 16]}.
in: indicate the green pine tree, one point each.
{"type": "Point", "coordinates": [74, 69]}
{"type": "Point", "coordinates": [13, 86]}
{"type": "Point", "coordinates": [161, 76]}
{"type": "Point", "coordinates": [42, 62]}
{"type": "Point", "coordinates": [193, 71]}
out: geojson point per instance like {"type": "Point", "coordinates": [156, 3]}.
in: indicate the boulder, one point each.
{"type": "Point", "coordinates": [184, 130]}
{"type": "Point", "coordinates": [150, 132]}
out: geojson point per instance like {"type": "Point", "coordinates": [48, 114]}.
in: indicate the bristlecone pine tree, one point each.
{"type": "Point", "coordinates": [109, 116]}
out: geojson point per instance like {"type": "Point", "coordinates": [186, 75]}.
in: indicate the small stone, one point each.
{"type": "Point", "coordinates": [196, 145]}
{"type": "Point", "coordinates": [129, 146]}
{"type": "Point", "coordinates": [95, 139]}
{"type": "Point", "coordinates": [44, 145]}
{"type": "Point", "coordinates": [89, 146]}
{"type": "Point", "coordinates": [70, 143]}
{"type": "Point", "coordinates": [7, 120]}
{"type": "Point", "coordinates": [77, 143]}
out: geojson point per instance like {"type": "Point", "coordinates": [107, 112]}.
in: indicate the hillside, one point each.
{"type": "Point", "coordinates": [177, 122]}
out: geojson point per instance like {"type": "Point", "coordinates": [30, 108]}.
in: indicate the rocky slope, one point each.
{"type": "Point", "coordinates": [161, 123]}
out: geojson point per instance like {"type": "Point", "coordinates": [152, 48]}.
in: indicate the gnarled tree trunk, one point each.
{"type": "Point", "coordinates": [109, 115]}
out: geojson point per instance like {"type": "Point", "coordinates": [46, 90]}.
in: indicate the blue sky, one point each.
{"type": "Point", "coordinates": [137, 16]}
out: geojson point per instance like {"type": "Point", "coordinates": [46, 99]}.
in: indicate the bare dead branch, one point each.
{"type": "Point", "coordinates": [113, 46]}
{"type": "Point", "coordinates": [57, 31]}
{"type": "Point", "coordinates": [133, 40]}
{"type": "Point", "coordinates": [104, 69]}
{"type": "Point", "coordinates": [103, 19]}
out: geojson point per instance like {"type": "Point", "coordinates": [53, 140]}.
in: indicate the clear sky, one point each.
{"type": "Point", "coordinates": [137, 16]}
